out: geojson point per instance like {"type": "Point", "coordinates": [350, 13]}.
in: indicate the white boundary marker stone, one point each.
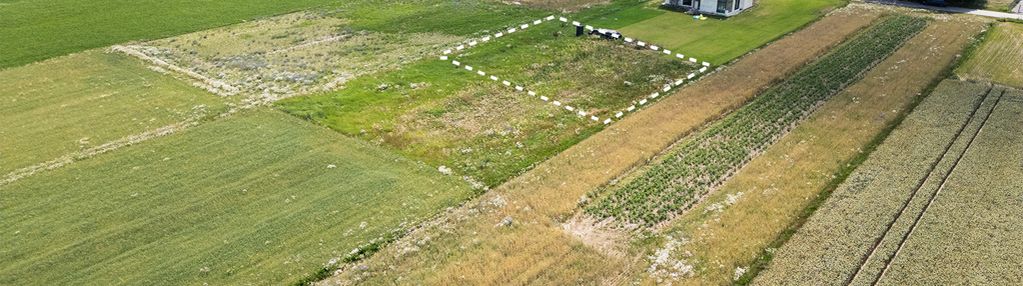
{"type": "Point", "coordinates": [594, 118]}
{"type": "Point", "coordinates": [619, 114]}
{"type": "Point", "coordinates": [652, 47]}
{"type": "Point", "coordinates": [606, 121]}
{"type": "Point", "coordinates": [506, 83]}
{"type": "Point", "coordinates": [493, 78]}
{"type": "Point", "coordinates": [460, 47]}
{"type": "Point", "coordinates": [681, 56]}
{"type": "Point", "coordinates": [487, 38]}
{"type": "Point", "coordinates": [628, 40]}
{"type": "Point", "coordinates": [576, 23]}
{"type": "Point", "coordinates": [456, 63]}
{"type": "Point", "coordinates": [588, 27]}
{"type": "Point", "coordinates": [473, 43]}
{"type": "Point", "coordinates": [692, 59]}
{"type": "Point", "coordinates": [666, 88]}
{"type": "Point", "coordinates": [631, 108]}
{"type": "Point", "coordinates": [512, 30]}
{"type": "Point", "coordinates": [446, 52]}
{"type": "Point", "coordinates": [706, 64]}
{"type": "Point", "coordinates": [468, 68]}
{"type": "Point", "coordinates": [569, 108]}
{"type": "Point", "coordinates": [703, 69]}
{"type": "Point", "coordinates": [556, 103]}
{"type": "Point", "coordinates": [518, 88]}
{"type": "Point", "coordinates": [667, 52]}
{"type": "Point", "coordinates": [443, 58]}
{"type": "Point", "coordinates": [563, 19]}
{"type": "Point", "coordinates": [537, 22]}
{"type": "Point", "coordinates": [582, 113]}
{"type": "Point", "coordinates": [691, 76]}
{"type": "Point", "coordinates": [642, 101]}
{"type": "Point", "coordinates": [481, 73]}
{"type": "Point", "coordinates": [551, 17]}
{"type": "Point", "coordinates": [498, 35]}
{"type": "Point", "coordinates": [531, 93]}
{"type": "Point", "coordinates": [654, 95]}
{"type": "Point", "coordinates": [679, 82]}
{"type": "Point", "coordinates": [524, 26]}
{"type": "Point", "coordinates": [544, 98]}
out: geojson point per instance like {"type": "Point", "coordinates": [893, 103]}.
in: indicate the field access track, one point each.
{"type": "Point", "coordinates": [535, 248]}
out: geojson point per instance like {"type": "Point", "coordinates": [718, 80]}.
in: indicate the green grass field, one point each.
{"type": "Point", "coordinates": [445, 115]}
{"type": "Point", "coordinates": [998, 59]}
{"type": "Point", "coordinates": [251, 199]}
{"type": "Point", "coordinates": [77, 102]}
{"type": "Point", "coordinates": [721, 40]}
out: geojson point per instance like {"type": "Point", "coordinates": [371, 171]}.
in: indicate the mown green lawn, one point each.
{"type": "Point", "coordinates": [261, 198]}
{"type": "Point", "coordinates": [721, 40]}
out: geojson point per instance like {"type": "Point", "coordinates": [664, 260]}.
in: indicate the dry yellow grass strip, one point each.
{"type": "Point", "coordinates": [775, 187]}
{"type": "Point", "coordinates": [469, 247]}
{"type": "Point", "coordinates": [999, 58]}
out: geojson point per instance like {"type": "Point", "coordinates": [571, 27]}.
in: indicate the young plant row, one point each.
{"type": "Point", "coordinates": [675, 183]}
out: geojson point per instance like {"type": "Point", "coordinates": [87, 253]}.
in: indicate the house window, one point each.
{"type": "Point", "coordinates": [723, 5]}
{"type": "Point", "coordinates": [738, 5]}
{"type": "Point", "coordinates": [687, 2]}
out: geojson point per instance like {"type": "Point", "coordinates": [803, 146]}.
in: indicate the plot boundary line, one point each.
{"type": "Point", "coordinates": [616, 115]}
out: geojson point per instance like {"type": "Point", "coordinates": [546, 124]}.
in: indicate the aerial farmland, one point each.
{"type": "Point", "coordinates": [487, 142]}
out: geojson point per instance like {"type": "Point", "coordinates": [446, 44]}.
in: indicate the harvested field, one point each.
{"type": "Point", "coordinates": [999, 58]}
{"type": "Point", "coordinates": [474, 124]}
{"type": "Point", "coordinates": [260, 198]}
{"type": "Point", "coordinates": [97, 97]}
{"type": "Point", "coordinates": [876, 200]}
{"type": "Point", "coordinates": [976, 213]}
{"type": "Point", "coordinates": [726, 232]}
{"type": "Point", "coordinates": [292, 54]}
{"type": "Point", "coordinates": [687, 172]}
{"type": "Point", "coordinates": [470, 247]}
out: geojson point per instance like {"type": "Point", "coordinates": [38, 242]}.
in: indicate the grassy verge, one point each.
{"type": "Point", "coordinates": [260, 197]}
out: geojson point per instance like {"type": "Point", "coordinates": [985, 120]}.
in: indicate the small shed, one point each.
{"type": "Point", "coordinates": [726, 8]}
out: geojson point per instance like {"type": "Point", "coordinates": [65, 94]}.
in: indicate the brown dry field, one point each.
{"type": "Point", "coordinates": [465, 246]}
{"type": "Point", "coordinates": [776, 187]}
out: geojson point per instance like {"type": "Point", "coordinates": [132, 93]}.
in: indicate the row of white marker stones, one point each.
{"type": "Point", "coordinates": [578, 111]}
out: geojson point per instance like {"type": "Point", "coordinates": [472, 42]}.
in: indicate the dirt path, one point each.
{"type": "Point", "coordinates": [472, 245]}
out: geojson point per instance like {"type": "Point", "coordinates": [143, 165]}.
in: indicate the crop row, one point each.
{"type": "Point", "coordinates": [704, 161]}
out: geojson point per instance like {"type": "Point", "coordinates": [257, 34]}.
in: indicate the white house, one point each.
{"type": "Point", "coordinates": [713, 7]}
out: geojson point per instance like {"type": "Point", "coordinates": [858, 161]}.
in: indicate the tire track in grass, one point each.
{"type": "Point", "coordinates": [944, 180]}
{"type": "Point", "coordinates": [932, 171]}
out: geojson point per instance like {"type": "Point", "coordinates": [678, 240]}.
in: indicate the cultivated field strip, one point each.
{"type": "Point", "coordinates": [971, 233]}
{"type": "Point", "coordinates": [607, 119]}
{"type": "Point", "coordinates": [752, 211]}
{"type": "Point", "coordinates": [831, 246]}
{"type": "Point", "coordinates": [666, 188]}
{"type": "Point", "coordinates": [535, 248]}
{"type": "Point", "coordinates": [998, 59]}
{"type": "Point", "coordinates": [887, 245]}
